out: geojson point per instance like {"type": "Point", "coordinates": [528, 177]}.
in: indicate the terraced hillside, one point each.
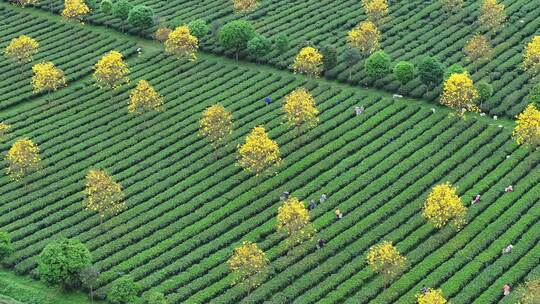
{"type": "Point", "coordinates": [415, 29]}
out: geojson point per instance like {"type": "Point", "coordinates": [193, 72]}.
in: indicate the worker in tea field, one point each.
{"type": "Point", "coordinates": [476, 199]}
{"type": "Point", "coordinates": [506, 289]}
{"type": "Point", "coordinates": [322, 242]}
{"type": "Point", "coordinates": [267, 100]}
{"type": "Point", "coordinates": [323, 198]}
{"type": "Point", "coordinates": [508, 249]}
{"type": "Point", "coordinates": [284, 195]}
{"type": "Point", "coordinates": [312, 205]}
{"type": "Point", "coordinates": [359, 110]}
{"type": "Point", "coordinates": [339, 215]}
{"type": "Point", "coordinates": [509, 189]}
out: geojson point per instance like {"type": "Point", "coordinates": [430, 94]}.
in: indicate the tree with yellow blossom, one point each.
{"type": "Point", "coordinates": [102, 194]}
{"type": "Point", "coordinates": [144, 98]}
{"type": "Point", "coordinates": [111, 71]}
{"type": "Point", "coordinates": [478, 47]}
{"type": "Point", "coordinates": [531, 56]}
{"type": "Point", "coordinates": [259, 153]}
{"type": "Point", "coordinates": [22, 158]}
{"type": "Point", "coordinates": [309, 61]}
{"type": "Point", "coordinates": [21, 49]}
{"type": "Point", "coordinates": [25, 3]}
{"type": "Point", "coordinates": [182, 44]}
{"type": "Point", "coordinates": [216, 124]}
{"type": "Point", "coordinates": [492, 15]}
{"type": "Point", "coordinates": [530, 292]}
{"type": "Point", "coordinates": [247, 263]}
{"type": "Point", "coordinates": [4, 129]}
{"type": "Point", "coordinates": [431, 296]}
{"type": "Point", "coordinates": [300, 110]}
{"type": "Point", "coordinates": [376, 10]}
{"type": "Point", "coordinates": [293, 220]}
{"type": "Point", "coordinates": [365, 37]}
{"type": "Point", "coordinates": [459, 93]}
{"type": "Point", "coordinates": [244, 6]}
{"type": "Point", "coordinates": [527, 130]}
{"type": "Point", "coordinates": [75, 9]}
{"type": "Point", "coordinates": [451, 6]}
{"type": "Point", "coordinates": [47, 77]}
{"type": "Point", "coordinates": [386, 260]}
{"type": "Point", "coordinates": [443, 206]}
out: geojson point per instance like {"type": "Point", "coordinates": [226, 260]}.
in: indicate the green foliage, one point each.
{"type": "Point", "coordinates": [106, 7]}
{"type": "Point", "coordinates": [6, 248]}
{"type": "Point", "coordinates": [198, 28]}
{"type": "Point", "coordinates": [404, 72]}
{"type": "Point", "coordinates": [154, 297]}
{"type": "Point", "coordinates": [123, 291]}
{"type": "Point", "coordinates": [534, 96]}
{"type": "Point", "coordinates": [259, 46]}
{"type": "Point", "coordinates": [454, 69]}
{"type": "Point", "coordinates": [352, 56]}
{"type": "Point", "coordinates": [485, 90]}
{"type": "Point", "coordinates": [281, 43]}
{"type": "Point", "coordinates": [431, 71]}
{"type": "Point", "coordinates": [141, 16]}
{"type": "Point", "coordinates": [121, 9]}
{"type": "Point", "coordinates": [378, 64]}
{"type": "Point", "coordinates": [61, 261]}
{"type": "Point", "coordinates": [329, 53]}
{"type": "Point", "coordinates": [235, 35]}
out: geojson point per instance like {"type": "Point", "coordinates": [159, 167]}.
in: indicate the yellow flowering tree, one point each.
{"type": "Point", "coordinates": [143, 98]}
{"type": "Point", "coordinates": [25, 3]}
{"type": "Point", "coordinates": [531, 56]}
{"type": "Point", "coordinates": [244, 6]}
{"type": "Point", "coordinates": [4, 129]}
{"type": "Point", "coordinates": [451, 6]}
{"type": "Point", "coordinates": [527, 130]}
{"type": "Point", "coordinates": [21, 49]}
{"type": "Point", "coordinates": [386, 260]}
{"type": "Point", "coordinates": [111, 71]}
{"type": "Point", "coordinates": [47, 77]}
{"type": "Point", "coordinates": [309, 61]}
{"type": "Point", "coordinates": [293, 220]}
{"type": "Point", "coordinates": [246, 263]}
{"type": "Point", "coordinates": [478, 47]}
{"type": "Point", "coordinates": [22, 158]}
{"type": "Point", "coordinates": [102, 194]}
{"type": "Point", "coordinates": [75, 9]}
{"type": "Point", "coordinates": [431, 296]}
{"type": "Point", "coordinates": [365, 37]}
{"type": "Point", "coordinates": [259, 153]}
{"type": "Point", "coordinates": [459, 93]}
{"type": "Point", "coordinates": [299, 108]}
{"type": "Point", "coordinates": [376, 10]}
{"type": "Point", "coordinates": [443, 206]}
{"type": "Point", "coordinates": [530, 292]}
{"type": "Point", "coordinates": [182, 44]}
{"type": "Point", "coordinates": [492, 15]}
{"type": "Point", "coordinates": [216, 124]}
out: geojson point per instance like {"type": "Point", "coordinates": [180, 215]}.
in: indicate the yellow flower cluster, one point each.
{"type": "Point", "coordinates": [144, 97]}
{"type": "Point", "coordinates": [478, 47]}
{"type": "Point", "coordinates": [75, 9]}
{"type": "Point", "coordinates": [4, 129]}
{"type": "Point", "coordinates": [365, 37]}
{"type": "Point", "coordinates": [246, 261]}
{"type": "Point", "coordinates": [527, 130]}
{"type": "Point", "coordinates": [24, 3]}
{"type": "Point", "coordinates": [443, 206]}
{"type": "Point", "coordinates": [531, 57]}
{"type": "Point", "coordinates": [22, 158]}
{"type": "Point", "coordinates": [103, 194]}
{"type": "Point", "coordinates": [459, 93]}
{"type": "Point", "coordinates": [385, 259]}
{"type": "Point", "coordinates": [22, 49]}
{"type": "Point", "coordinates": [308, 61]}
{"type": "Point", "coordinates": [182, 44]}
{"type": "Point", "coordinates": [293, 220]}
{"type": "Point", "coordinates": [47, 77]}
{"type": "Point", "coordinates": [451, 6]}
{"type": "Point", "coordinates": [216, 124]}
{"type": "Point", "coordinates": [376, 10]}
{"type": "Point", "coordinates": [245, 6]}
{"type": "Point", "coordinates": [431, 296]}
{"type": "Point", "coordinates": [492, 14]}
{"type": "Point", "coordinates": [259, 153]}
{"type": "Point", "coordinates": [111, 71]}
{"type": "Point", "coordinates": [299, 108]}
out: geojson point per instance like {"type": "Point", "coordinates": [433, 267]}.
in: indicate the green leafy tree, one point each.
{"type": "Point", "coordinates": [534, 96]}
{"type": "Point", "coordinates": [141, 16]}
{"type": "Point", "coordinates": [431, 71]}
{"type": "Point", "coordinates": [281, 43]}
{"type": "Point", "coordinates": [404, 72]}
{"type": "Point", "coordinates": [6, 248]}
{"type": "Point", "coordinates": [377, 65]}
{"type": "Point", "coordinates": [61, 261]}
{"type": "Point", "coordinates": [198, 28]}
{"type": "Point", "coordinates": [454, 69]}
{"type": "Point", "coordinates": [106, 7]}
{"type": "Point", "coordinates": [89, 278]}
{"type": "Point", "coordinates": [329, 53]}
{"type": "Point", "coordinates": [235, 35]}
{"type": "Point", "coordinates": [154, 297]}
{"type": "Point", "coordinates": [123, 291]}
{"type": "Point", "coordinates": [352, 57]}
{"type": "Point", "coordinates": [259, 46]}
{"type": "Point", "coordinates": [121, 9]}
{"type": "Point", "coordinates": [485, 91]}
